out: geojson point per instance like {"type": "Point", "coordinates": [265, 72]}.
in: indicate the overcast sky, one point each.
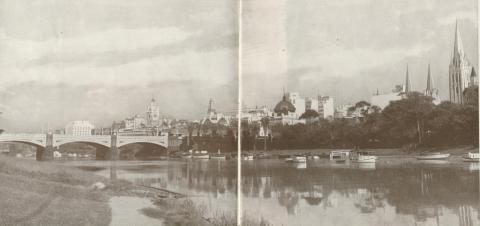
{"type": "Point", "coordinates": [349, 48]}
{"type": "Point", "coordinates": [103, 60]}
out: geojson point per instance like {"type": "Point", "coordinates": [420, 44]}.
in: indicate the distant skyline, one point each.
{"type": "Point", "coordinates": [349, 49]}
{"type": "Point", "coordinates": [103, 60]}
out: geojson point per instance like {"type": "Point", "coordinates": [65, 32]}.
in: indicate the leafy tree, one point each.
{"type": "Point", "coordinates": [309, 114]}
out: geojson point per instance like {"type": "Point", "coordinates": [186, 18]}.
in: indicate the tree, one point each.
{"type": "Point", "coordinates": [265, 122]}
{"type": "Point", "coordinates": [404, 120]}
{"type": "Point", "coordinates": [309, 114]}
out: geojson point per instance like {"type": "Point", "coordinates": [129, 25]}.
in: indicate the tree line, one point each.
{"type": "Point", "coordinates": [412, 122]}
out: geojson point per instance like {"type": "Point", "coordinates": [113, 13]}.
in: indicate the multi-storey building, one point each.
{"type": "Point", "coordinates": [79, 128]}
{"type": "Point", "coordinates": [326, 108]}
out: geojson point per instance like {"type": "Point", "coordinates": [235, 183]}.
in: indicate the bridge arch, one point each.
{"type": "Point", "coordinates": [39, 148]}
{"type": "Point", "coordinates": [102, 151]}
{"type": "Point", "coordinates": [141, 149]}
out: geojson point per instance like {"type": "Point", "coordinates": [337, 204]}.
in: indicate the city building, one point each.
{"type": "Point", "coordinates": [153, 114]}
{"type": "Point", "coordinates": [341, 111]}
{"type": "Point", "coordinates": [298, 102]}
{"type": "Point", "coordinates": [79, 128]}
{"type": "Point", "coordinates": [431, 91]}
{"type": "Point", "coordinates": [460, 71]}
{"type": "Point", "coordinates": [285, 113]}
{"type": "Point", "coordinates": [326, 109]}
{"type": "Point", "coordinates": [135, 122]}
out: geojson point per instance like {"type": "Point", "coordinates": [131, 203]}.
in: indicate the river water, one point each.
{"type": "Point", "coordinates": [393, 191]}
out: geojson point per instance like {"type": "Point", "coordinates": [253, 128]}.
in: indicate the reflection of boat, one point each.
{"type": "Point", "coordinates": [432, 156]}
{"type": "Point", "coordinates": [471, 157]}
{"type": "Point", "coordinates": [186, 156]}
{"type": "Point", "coordinates": [363, 157]}
{"type": "Point", "coordinates": [300, 165]}
{"type": "Point", "coordinates": [289, 159]}
{"type": "Point", "coordinates": [263, 156]}
{"type": "Point", "coordinates": [340, 160]}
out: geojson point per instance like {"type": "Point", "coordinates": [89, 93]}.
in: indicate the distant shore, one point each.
{"type": "Point", "coordinates": [459, 150]}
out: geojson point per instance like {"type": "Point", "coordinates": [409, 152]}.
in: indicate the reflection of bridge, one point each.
{"type": "Point", "coordinates": [106, 145]}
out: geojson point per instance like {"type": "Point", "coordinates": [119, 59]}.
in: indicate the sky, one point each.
{"type": "Point", "coordinates": [348, 49]}
{"type": "Point", "coordinates": [104, 60]}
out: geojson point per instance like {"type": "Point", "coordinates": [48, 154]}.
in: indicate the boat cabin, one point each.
{"type": "Point", "coordinates": [340, 154]}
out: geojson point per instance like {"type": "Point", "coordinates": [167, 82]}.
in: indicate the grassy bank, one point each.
{"type": "Point", "coordinates": [41, 193]}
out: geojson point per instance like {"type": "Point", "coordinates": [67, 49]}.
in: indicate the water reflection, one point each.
{"type": "Point", "coordinates": [404, 192]}
{"type": "Point", "coordinates": [320, 192]}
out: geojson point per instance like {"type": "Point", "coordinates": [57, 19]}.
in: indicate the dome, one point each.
{"type": "Point", "coordinates": [284, 106]}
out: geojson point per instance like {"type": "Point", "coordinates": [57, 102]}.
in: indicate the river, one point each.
{"type": "Point", "coordinates": [394, 191]}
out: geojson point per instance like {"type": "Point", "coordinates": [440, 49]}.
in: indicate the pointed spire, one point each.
{"type": "Point", "coordinates": [430, 85]}
{"type": "Point", "coordinates": [408, 83]}
{"type": "Point", "coordinates": [473, 74]}
{"type": "Point", "coordinates": [457, 46]}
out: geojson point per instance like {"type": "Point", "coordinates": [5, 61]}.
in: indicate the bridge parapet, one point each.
{"type": "Point", "coordinates": [34, 138]}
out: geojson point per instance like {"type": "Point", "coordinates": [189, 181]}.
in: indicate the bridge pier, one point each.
{"type": "Point", "coordinates": [47, 152]}
{"type": "Point", "coordinates": [114, 152]}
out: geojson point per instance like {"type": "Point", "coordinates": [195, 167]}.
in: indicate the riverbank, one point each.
{"type": "Point", "coordinates": [40, 193]}
{"type": "Point", "coordinates": [46, 193]}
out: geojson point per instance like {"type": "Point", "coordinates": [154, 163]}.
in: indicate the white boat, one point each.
{"type": "Point", "coordinates": [289, 159]}
{"type": "Point", "coordinates": [363, 157]}
{"type": "Point", "coordinates": [201, 155]}
{"type": "Point", "coordinates": [299, 159]}
{"type": "Point", "coordinates": [186, 156]}
{"type": "Point", "coordinates": [471, 157]}
{"type": "Point", "coordinates": [248, 157]}
{"type": "Point", "coordinates": [432, 156]}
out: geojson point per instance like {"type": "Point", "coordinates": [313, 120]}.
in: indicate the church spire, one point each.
{"type": "Point", "coordinates": [457, 46]}
{"type": "Point", "coordinates": [430, 85]}
{"type": "Point", "coordinates": [408, 83]}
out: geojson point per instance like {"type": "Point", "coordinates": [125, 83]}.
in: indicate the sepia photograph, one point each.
{"type": "Point", "coordinates": [239, 113]}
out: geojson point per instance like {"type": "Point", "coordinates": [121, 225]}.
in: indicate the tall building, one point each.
{"type": "Point", "coordinates": [460, 70]}
{"type": "Point", "coordinates": [431, 91]}
{"type": "Point", "coordinates": [297, 101]}
{"type": "Point", "coordinates": [153, 114]}
{"type": "Point", "coordinates": [326, 108]}
{"type": "Point", "coordinates": [79, 128]}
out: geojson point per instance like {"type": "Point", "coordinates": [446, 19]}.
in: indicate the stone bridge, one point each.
{"type": "Point", "coordinates": [47, 143]}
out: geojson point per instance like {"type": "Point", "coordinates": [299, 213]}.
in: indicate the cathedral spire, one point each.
{"type": "Point", "coordinates": [457, 46]}
{"type": "Point", "coordinates": [430, 85]}
{"type": "Point", "coordinates": [408, 83]}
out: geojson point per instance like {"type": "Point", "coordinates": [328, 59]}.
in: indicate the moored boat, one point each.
{"type": "Point", "coordinates": [201, 155]}
{"type": "Point", "coordinates": [471, 157]}
{"type": "Point", "coordinates": [218, 155]}
{"type": "Point", "coordinates": [299, 159]}
{"type": "Point", "coordinates": [247, 157]}
{"type": "Point", "coordinates": [433, 156]}
{"type": "Point", "coordinates": [363, 157]}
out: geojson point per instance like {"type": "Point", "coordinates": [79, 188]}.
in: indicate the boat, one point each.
{"type": "Point", "coordinates": [201, 155]}
{"type": "Point", "coordinates": [363, 157]}
{"type": "Point", "coordinates": [432, 156]}
{"type": "Point", "coordinates": [248, 157]}
{"type": "Point", "coordinates": [299, 159]}
{"type": "Point", "coordinates": [218, 155]}
{"type": "Point", "coordinates": [263, 156]}
{"type": "Point", "coordinates": [471, 157]}
{"type": "Point", "coordinates": [289, 159]}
